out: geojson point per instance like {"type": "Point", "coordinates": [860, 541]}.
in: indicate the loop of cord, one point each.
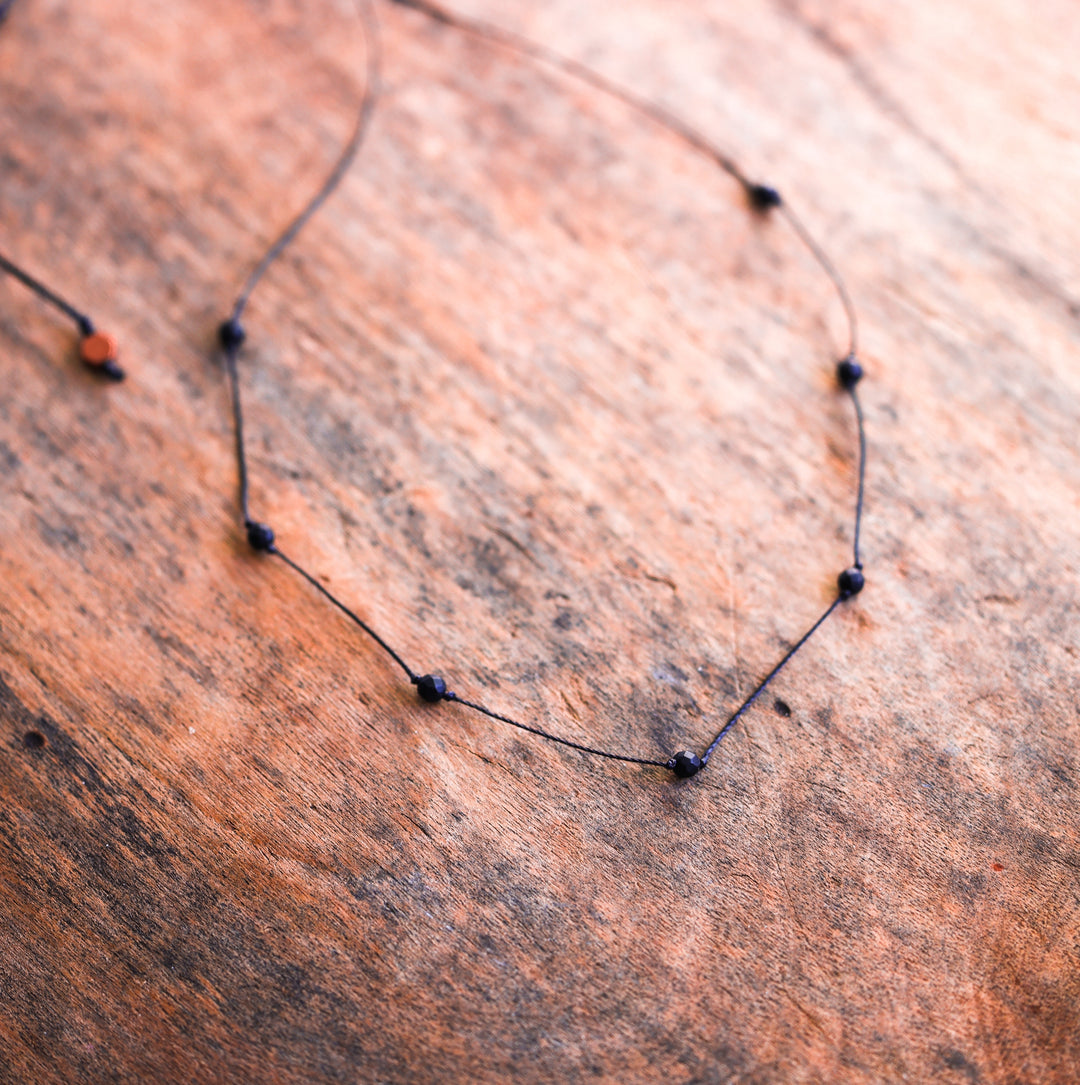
{"type": "Point", "coordinates": [761, 197]}
{"type": "Point", "coordinates": [232, 335]}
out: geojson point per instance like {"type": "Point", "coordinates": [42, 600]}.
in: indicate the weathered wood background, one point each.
{"type": "Point", "coordinates": [555, 412]}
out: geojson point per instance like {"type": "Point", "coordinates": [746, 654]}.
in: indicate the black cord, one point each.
{"type": "Point", "coordinates": [764, 683]}
{"type": "Point", "coordinates": [555, 738]}
{"type": "Point", "coordinates": [232, 335]}
{"type": "Point", "coordinates": [830, 270]}
{"type": "Point", "coordinates": [859, 501]}
{"type": "Point", "coordinates": [762, 197]}
{"type": "Point", "coordinates": [82, 321]}
{"type": "Point", "coordinates": [432, 688]}
{"type": "Point", "coordinates": [350, 614]}
{"type": "Point", "coordinates": [520, 44]}
{"type": "Point", "coordinates": [231, 352]}
{"type": "Point", "coordinates": [96, 349]}
{"type": "Point", "coordinates": [341, 166]}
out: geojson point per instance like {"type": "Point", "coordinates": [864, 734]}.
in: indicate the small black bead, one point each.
{"type": "Point", "coordinates": [231, 334]}
{"type": "Point", "coordinates": [259, 536]}
{"type": "Point", "coordinates": [431, 688]}
{"type": "Point", "coordinates": [86, 326]}
{"type": "Point", "coordinates": [849, 372]}
{"type": "Point", "coordinates": [685, 764]}
{"type": "Point", "coordinates": [763, 197]}
{"type": "Point", "coordinates": [850, 582]}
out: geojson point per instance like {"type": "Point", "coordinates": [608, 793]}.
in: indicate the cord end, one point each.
{"type": "Point", "coordinates": [686, 764]}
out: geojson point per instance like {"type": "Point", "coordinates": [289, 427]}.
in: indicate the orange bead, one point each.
{"type": "Point", "coordinates": [97, 349]}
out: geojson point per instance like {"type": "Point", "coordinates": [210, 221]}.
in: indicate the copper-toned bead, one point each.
{"type": "Point", "coordinates": [97, 349]}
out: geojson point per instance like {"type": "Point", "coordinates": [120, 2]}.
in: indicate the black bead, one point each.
{"type": "Point", "coordinates": [850, 582]}
{"type": "Point", "coordinates": [431, 688]}
{"type": "Point", "coordinates": [259, 536]}
{"type": "Point", "coordinates": [86, 326]}
{"type": "Point", "coordinates": [231, 334]}
{"type": "Point", "coordinates": [849, 372]}
{"type": "Point", "coordinates": [685, 764]}
{"type": "Point", "coordinates": [763, 197]}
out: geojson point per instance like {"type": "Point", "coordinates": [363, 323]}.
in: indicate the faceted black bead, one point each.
{"type": "Point", "coordinates": [431, 688]}
{"type": "Point", "coordinates": [849, 372]}
{"type": "Point", "coordinates": [259, 536]}
{"type": "Point", "coordinates": [231, 334]}
{"type": "Point", "coordinates": [850, 582]}
{"type": "Point", "coordinates": [763, 198]}
{"type": "Point", "coordinates": [685, 764]}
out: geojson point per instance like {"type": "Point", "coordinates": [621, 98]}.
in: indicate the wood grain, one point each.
{"type": "Point", "coordinates": [556, 414]}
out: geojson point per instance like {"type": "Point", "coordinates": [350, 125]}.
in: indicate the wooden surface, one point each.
{"type": "Point", "coordinates": [542, 399]}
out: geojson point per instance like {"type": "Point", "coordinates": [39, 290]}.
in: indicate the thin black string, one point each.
{"type": "Point", "coordinates": [414, 677]}
{"type": "Point", "coordinates": [862, 475]}
{"type": "Point", "coordinates": [231, 352]}
{"type": "Point", "coordinates": [764, 683]}
{"type": "Point", "coordinates": [831, 271]}
{"type": "Point", "coordinates": [350, 614]}
{"type": "Point", "coordinates": [232, 339]}
{"type": "Point", "coordinates": [763, 199]}
{"type": "Point", "coordinates": [544, 55]}
{"type": "Point", "coordinates": [555, 738]}
{"type": "Point", "coordinates": [232, 335]}
{"type": "Point", "coordinates": [761, 196]}
{"type": "Point", "coordinates": [82, 321]}
{"type": "Point", "coordinates": [105, 365]}
{"type": "Point", "coordinates": [348, 154]}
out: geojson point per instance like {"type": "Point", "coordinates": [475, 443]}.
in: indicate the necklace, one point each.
{"type": "Point", "coordinates": [762, 199]}
{"type": "Point", "coordinates": [96, 349]}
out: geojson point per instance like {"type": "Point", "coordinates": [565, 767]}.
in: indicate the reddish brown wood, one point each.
{"type": "Point", "coordinates": [541, 398]}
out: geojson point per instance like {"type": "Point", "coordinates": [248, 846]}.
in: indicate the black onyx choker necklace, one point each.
{"type": "Point", "coordinates": [99, 350]}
